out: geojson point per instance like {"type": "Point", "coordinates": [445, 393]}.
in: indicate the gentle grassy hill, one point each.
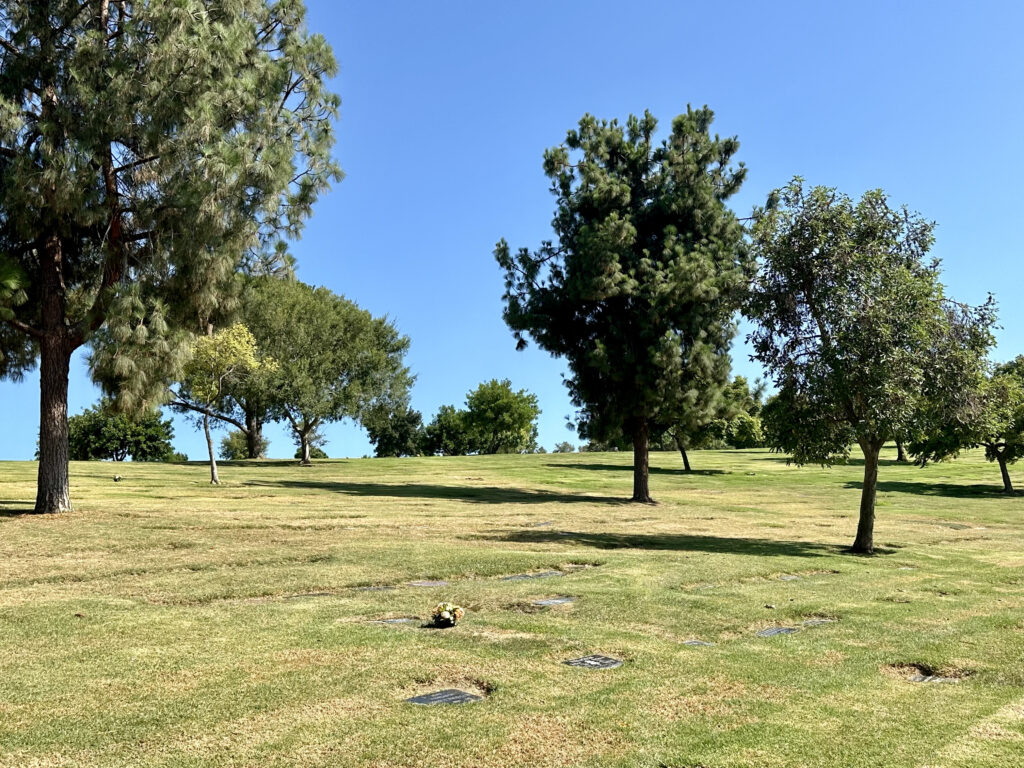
{"type": "Point", "coordinates": [168, 623]}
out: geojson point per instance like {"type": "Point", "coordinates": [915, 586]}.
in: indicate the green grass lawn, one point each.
{"type": "Point", "coordinates": [168, 623]}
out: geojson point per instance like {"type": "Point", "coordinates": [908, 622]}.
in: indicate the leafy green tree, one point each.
{"type": "Point", "coordinates": [335, 360]}
{"type": "Point", "coordinates": [854, 326]}
{"type": "Point", "coordinates": [234, 446]}
{"type": "Point", "coordinates": [711, 424]}
{"type": "Point", "coordinates": [448, 433]}
{"type": "Point", "coordinates": [987, 413]}
{"type": "Point", "coordinates": [744, 431]}
{"type": "Point", "coordinates": [395, 430]}
{"type": "Point", "coordinates": [148, 150]}
{"type": "Point", "coordinates": [102, 433]}
{"type": "Point", "coordinates": [501, 420]}
{"type": "Point", "coordinates": [315, 450]}
{"type": "Point", "coordinates": [639, 292]}
{"type": "Point", "coordinates": [564, 447]}
{"type": "Point", "coordinates": [218, 360]}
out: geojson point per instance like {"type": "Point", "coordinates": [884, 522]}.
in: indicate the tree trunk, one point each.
{"type": "Point", "coordinates": [1007, 484]}
{"type": "Point", "coordinates": [53, 493]}
{"type": "Point", "coordinates": [901, 452]}
{"type": "Point", "coordinates": [682, 450]}
{"type": "Point", "coordinates": [304, 442]}
{"type": "Point", "coordinates": [214, 478]}
{"type": "Point", "coordinates": [864, 544]}
{"type": "Point", "coordinates": [254, 435]}
{"type": "Point", "coordinates": [641, 488]}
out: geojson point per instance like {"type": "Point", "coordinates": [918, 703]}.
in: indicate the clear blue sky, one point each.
{"type": "Point", "coordinates": [447, 108]}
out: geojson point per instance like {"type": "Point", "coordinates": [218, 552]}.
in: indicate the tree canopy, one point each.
{"type": "Point", "coordinates": [218, 361]}
{"type": "Point", "coordinates": [986, 412]}
{"type": "Point", "coordinates": [853, 325]}
{"type": "Point", "coordinates": [335, 360]}
{"type": "Point", "coordinates": [148, 150]}
{"type": "Point", "coordinates": [639, 290]}
{"type": "Point", "coordinates": [102, 433]}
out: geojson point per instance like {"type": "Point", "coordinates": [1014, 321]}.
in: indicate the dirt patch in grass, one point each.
{"type": "Point", "coordinates": [908, 671]}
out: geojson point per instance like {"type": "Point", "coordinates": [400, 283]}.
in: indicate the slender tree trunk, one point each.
{"type": "Point", "coordinates": [254, 435]}
{"type": "Point", "coordinates": [1007, 483]}
{"type": "Point", "coordinates": [304, 443]}
{"type": "Point", "coordinates": [682, 450]}
{"type": "Point", "coordinates": [865, 542]}
{"type": "Point", "coordinates": [214, 478]}
{"type": "Point", "coordinates": [641, 469]}
{"type": "Point", "coordinates": [53, 493]}
{"type": "Point", "coordinates": [901, 452]}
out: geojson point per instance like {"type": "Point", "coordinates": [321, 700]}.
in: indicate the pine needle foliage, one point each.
{"type": "Point", "coordinates": [639, 288]}
{"type": "Point", "coordinates": [149, 150]}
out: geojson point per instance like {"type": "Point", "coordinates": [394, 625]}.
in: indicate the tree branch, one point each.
{"type": "Point", "coordinates": [25, 328]}
{"type": "Point", "coordinates": [180, 402]}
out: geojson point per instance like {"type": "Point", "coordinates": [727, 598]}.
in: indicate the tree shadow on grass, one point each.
{"type": "Point", "coordinates": [851, 462]}
{"type": "Point", "coordinates": [17, 508]}
{"type": "Point", "coordinates": [629, 468]}
{"type": "Point", "coordinates": [673, 542]}
{"type": "Point", "coordinates": [951, 490]}
{"type": "Point", "coordinates": [473, 494]}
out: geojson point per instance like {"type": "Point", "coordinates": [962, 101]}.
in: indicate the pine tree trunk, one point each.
{"type": "Point", "coordinates": [682, 450]}
{"type": "Point", "coordinates": [901, 452]}
{"type": "Point", "coordinates": [864, 544]}
{"type": "Point", "coordinates": [214, 478]}
{"type": "Point", "coordinates": [53, 493]}
{"type": "Point", "coordinates": [253, 435]}
{"type": "Point", "coordinates": [641, 469]}
{"type": "Point", "coordinates": [1007, 483]}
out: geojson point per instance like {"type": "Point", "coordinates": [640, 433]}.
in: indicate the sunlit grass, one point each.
{"type": "Point", "coordinates": [168, 623]}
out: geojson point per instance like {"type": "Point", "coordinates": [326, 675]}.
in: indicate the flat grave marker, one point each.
{"type": "Point", "coordinates": [773, 631]}
{"type": "Point", "coordinates": [818, 622]}
{"type": "Point", "coordinates": [447, 696]}
{"type": "Point", "coordinates": [697, 643]}
{"type": "Point", "coordinates": [788, 577]}
{"type": "Point", "coordinates": [395, 621]}
{"type": "Point", "coordinates": [538, 575]}
{"type": "Point", "coordinates": [554, 601]}
{"type": "Point", "coordinates": [594, 661]}
{"type": "Point", "coordinates": [428, 583]}
{"type": "Point", "coordinates": [922, 678]}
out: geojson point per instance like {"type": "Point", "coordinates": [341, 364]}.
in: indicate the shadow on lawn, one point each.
{"type": "Point", "coordinates": [939, 489]}
{"type": "Point", "coordinates": [674, 542]}
{"type": "Point", "coordinates": [17, 508]}
{"type": "Point", "coordinates": [629, 468]}
{"type": "Point", "coordinates": [851, 462]}
{"type": "Point", "coordinates": [475, 494]}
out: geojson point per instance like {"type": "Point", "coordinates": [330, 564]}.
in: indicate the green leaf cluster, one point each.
{"type": "Point", "coordinates": [497, 419]}
{"type": "Point", "coordinates": [103, 433]}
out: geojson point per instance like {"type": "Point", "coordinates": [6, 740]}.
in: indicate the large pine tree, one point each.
{"type": "Point", "coordinates": [147, 150]}
{"type": "Point", "coordinates": [639, 291]}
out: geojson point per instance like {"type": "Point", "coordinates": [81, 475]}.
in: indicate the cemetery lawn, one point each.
{"type": "Point", "coordinates": [168, 623]}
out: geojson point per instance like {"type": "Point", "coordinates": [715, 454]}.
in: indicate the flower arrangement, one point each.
{"type": "Point", "coordinates": [447, 614]}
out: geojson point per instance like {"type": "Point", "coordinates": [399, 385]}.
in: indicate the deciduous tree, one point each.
{"type": "Point", "coordinates": [102, 433]}
{"type": "Point", "coordinates": [854, 326]}
{"type": "Point", "coordinates": [987, 412]}
{"type": "Point", "coordinates": [218, 360]}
